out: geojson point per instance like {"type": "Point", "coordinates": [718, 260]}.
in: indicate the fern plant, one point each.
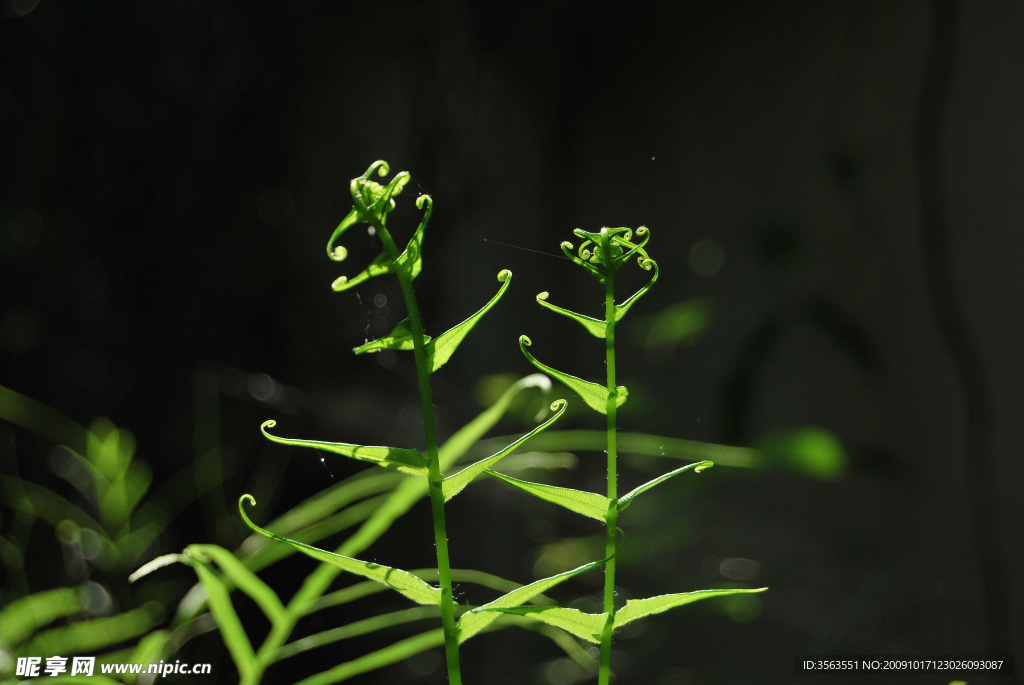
{"type": "Point", "coordinates": [603, 254]}
{"type": "Point", "coordinates": [376, 499]}
{"type": "Point", "coordinates": [372, 204]}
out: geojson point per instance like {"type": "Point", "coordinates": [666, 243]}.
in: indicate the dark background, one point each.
{"type": "Point", "coordinates": [170, 173]}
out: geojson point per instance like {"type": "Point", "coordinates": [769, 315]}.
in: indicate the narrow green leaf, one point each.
{"type": "Point", "coordinates": [596, 396]}
{"type": "Point", "coordinates": [587, 503]}
{"type": "Point", "coordinates": [400, 338]}
{"type": "Point", "coordinates": [36, 500]}
{"type": "Point", "coordinates": [42, 420]}
{"type": "Point", "coordinates": [339, 253]}
{"type": "Point", "coordinates": [396, 458]}
{"type": "Point", "coordinates": [244, 579]}
{"type": "Point", "coordinates": [369, 625]}
{"type": "Point", "coordinates": [95, 633]}
{"type": "Point", "coordinates": [398, 580]}
{"type": "Point", "coordinates": [380, 265]}
{"type": "Point", "coordinates": [440, 350]}
{"type": "Point", "coordinates": [621, 309]}
{"type": "Point", "coordinates": [467, 436]}
{"type": "Point", "coordinates": [584, 626]}
{"type": "Point", "coordinates": [627, 499]}
{"type": "Point", "coordinates": [391, 654]}
{"type": "Point", "coordinates": [594, 326]}
{"type": "Point", "coordinates": [638, 608]}
{"type": "Point", "coordinates": [472, 622]}
{"type": "Point", "coordinates": [231, 630]}
{"type": "Point", "coordinates": [269, 553]}
{"type": "Point", "coordinates": [412, 257]}
{"type": "Point", "coordinates": [24, 616]}
{"type": "Point", "coordinates": [453, 485]}
{"type": "Point", "coordinates": [148, 650]}
{"type": "Point", "coordinates": [346, 595]}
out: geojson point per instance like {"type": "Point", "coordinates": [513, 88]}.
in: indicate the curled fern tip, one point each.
{"type": "Point", "coordinates": [541, 297]}
{"type": "Point", "coordinates": [504, 275]}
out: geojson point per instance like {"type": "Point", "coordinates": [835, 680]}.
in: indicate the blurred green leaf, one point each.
{"type": "Point", "coordinates": [586, 503]}
{"type": "Point", "coordinates": [811, 450]}
{"type": "Point", "coordinates": [231, 630]}
{"type": "Point", "coordinates": [631, 443]}
{"type": "Point", "coordinates": [96, 633]}
{"type": "Point", "coordinates": [38, 501]}
{"type": "Point", "coordinates": [639, 608]}
{"type": "Point", "coordinates": [22, 617]}
{"type": "Point", "coordinates": [391, 654]}
{"type": "Point", "coordinates": [467, 436]}
{"type": "Point", "coordinates": [242, 578]}
{"type": "Point", "coordinates": [42, 420]}
{"type": "Point", "coordinates": [369, 625]}
{"type": "Point", "coordinates": [363, 484]}
{"type": "Point", "coordinates": [681, 324]}
{"type": "Point", "coordinates": [147, 651]}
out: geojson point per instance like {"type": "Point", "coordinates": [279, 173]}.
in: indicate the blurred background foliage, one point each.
{"type": "Point", "coordinates": [169, 175]}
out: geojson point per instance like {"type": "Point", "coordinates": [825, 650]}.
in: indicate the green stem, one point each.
{"type": "Point", "coordinates": [434, 476]}
{"type": "Point", "coordinates": [609, 568]}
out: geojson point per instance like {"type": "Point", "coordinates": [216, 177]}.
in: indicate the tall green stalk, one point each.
{"type": "Point", "coordinates": [613, 512]}
{"type": "Point", "coordinates": [434, 477]}
{"type": "Point", "coordinates": [603, 254]}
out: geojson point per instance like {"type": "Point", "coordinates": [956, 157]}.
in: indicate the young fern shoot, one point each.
{"type": "Point", "coordinates": [372, 204]}
{"type": "Point", "coordinates": [603, 254]}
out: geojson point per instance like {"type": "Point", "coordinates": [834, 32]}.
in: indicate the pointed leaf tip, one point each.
{"type": "Point", "coordinates": [441, 349]}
